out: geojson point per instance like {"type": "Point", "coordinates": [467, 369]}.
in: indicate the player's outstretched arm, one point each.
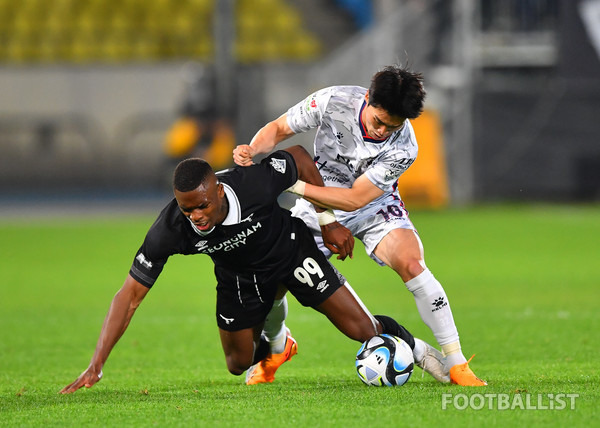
{"type": "Point", "coordinates": [337, 238]}
{"type": "Point", "coordinates": [264, 141]}
{"type": "Point", "coordinates": [360, 194]}
{"type": "Point", "coordinates": [122, 308]}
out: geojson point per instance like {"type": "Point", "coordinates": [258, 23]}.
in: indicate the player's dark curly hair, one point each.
{"type": "Point", "coordinates": [191, 173]}
{"type": "Point", "coordinates": [398, 91]}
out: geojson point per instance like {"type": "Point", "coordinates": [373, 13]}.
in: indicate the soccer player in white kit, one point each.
{"type": "Point", "coordinates": [364, 142]}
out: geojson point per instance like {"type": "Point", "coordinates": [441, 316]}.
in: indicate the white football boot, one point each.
{"type": "Point", "coordinates": [433, 363]}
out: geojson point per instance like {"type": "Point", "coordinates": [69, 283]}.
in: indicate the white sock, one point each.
{"type": "Point", "coordinates": [453, 354]}
{"type": "Point", "coordinates": [274, 329]}
{"type": "Point", "coordinates": [434, 308]}
{"type": "Point", "coordinates": [419, 350]}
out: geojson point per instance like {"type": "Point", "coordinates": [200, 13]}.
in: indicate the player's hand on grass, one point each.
{"type": "Point", "coordinates": [88, 379]}
{"type": "Point", "coordinates": [338, 239]}
{"type": "Point", "coordinates": [243, 154]}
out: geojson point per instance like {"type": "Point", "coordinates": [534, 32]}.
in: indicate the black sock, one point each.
{"type": "Point", "coordinates": [390, 326]}
{"type": "Point", "coordinates": [262, 350]}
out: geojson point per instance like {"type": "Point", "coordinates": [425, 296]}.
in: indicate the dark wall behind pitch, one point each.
{"type": "Point", "coordinates": [537, 132]}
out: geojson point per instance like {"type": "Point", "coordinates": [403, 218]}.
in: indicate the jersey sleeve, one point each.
{"type": "Point", "coordinates": [152, 256]}
{"type": "Point", "coordinates": [385, 172]}
{"type": "Point", "coordinates": [308, 113]}
{"type": "Point", "coordinates": [279, 172]}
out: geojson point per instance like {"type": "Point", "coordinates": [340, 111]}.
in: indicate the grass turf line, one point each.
{"type": "Point", "coordinates": [522, 282]}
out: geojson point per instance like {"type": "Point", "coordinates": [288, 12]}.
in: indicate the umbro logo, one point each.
{"type": "Point", "coordinates": [249, 218]}
{"type": "Point", "coordinates": [278, 165]}
{"type": "Point", "coordinates": [201, 245]}
{"type": "Point", "coordinates": [322, 286]}
{"type": "Point", "coordinates": [227, 320]}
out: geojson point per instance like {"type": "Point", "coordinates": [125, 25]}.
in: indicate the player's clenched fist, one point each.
{"type": "Point", "coordinates": [243, 154]}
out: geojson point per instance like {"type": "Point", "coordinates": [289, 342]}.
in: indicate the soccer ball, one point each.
{"type": "Point", "coordinates": [384, 360]}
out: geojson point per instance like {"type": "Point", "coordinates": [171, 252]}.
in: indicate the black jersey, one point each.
{"type": "Point", "coordinates": [257, 237]}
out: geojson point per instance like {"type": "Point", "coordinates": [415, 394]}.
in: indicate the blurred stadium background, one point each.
{"type": "Point", "coordinates": [100, 98]}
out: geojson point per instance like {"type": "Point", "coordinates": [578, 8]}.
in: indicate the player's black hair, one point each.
{"type": "Point", "coordinates": [398, 91]}
{"type": "Point", "coordinates": [191, 173]}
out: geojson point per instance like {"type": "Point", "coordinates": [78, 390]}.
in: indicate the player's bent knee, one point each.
{"type": "Point", "coordinates": [237, 366]}
{"type": "Point", "coordinates": [236, 370]}
{"type": "Point", "coordinates": [410, 269]}
{"type": "Point", "coordinates": [366, 334]}
{"type": "Point", "coordinates": [362, 331]}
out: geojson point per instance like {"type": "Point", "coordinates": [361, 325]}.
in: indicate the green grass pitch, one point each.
{"type": "Point", "coordinates": [523, 282]}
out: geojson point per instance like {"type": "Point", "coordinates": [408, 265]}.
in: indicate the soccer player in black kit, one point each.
{"type": "Point", "coordinates": [257, 248]}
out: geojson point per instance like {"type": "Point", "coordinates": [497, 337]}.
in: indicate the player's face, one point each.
{"type": "Point", "coordinates": [204, 206]}
{"type": "Point", "coordinates": [378, 123]}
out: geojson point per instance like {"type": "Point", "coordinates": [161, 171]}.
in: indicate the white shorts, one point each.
{"type": "Point", "coordinates": [369, 224]}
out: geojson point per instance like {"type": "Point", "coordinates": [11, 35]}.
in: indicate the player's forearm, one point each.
{"type": "Point", "coordinates": [307, 170]}
{"type": "Point", "coordinates": [265, 139]}
{"type": "Point", "coordinates": [117, 320]}
{"type": "Point", "coordinates": [305, 165]}
{"type": "Point", "coordinates": [270, 135]}
{"type": "Point", "coordinates": [333, 197]}
{"type": "Point", "coordinates": [362, 192]}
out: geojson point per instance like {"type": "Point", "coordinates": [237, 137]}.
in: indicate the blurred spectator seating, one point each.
{"type": "Point", "coordinates": [108, 31]}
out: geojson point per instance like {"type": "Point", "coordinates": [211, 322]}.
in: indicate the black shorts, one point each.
{"type": "Point", "coordinates": [244, 300]}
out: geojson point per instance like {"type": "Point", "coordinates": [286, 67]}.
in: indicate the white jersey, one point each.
{"type": "Point", "coordinates": [342, 150]}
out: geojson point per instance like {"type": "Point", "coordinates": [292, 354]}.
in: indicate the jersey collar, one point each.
{"type": "Point", "coordinates": [234, 216]}
{"type": "Point", "coordinates": [363, 131]}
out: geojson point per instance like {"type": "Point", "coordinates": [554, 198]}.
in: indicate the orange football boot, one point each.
{"type": "Point", "coordinates": [264, 370]}
{"type": "Point", "coordinates": [461, 374]}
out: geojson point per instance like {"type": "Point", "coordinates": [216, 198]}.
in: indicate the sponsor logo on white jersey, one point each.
{"type": "Point", "coordinates": [311, 103]}
{"type": "Point", "coordinates": [278, 165]}
{"type": "Point", "coordinates": [390, 173]}
{"type": "Point", "coordinates": [143, 261]}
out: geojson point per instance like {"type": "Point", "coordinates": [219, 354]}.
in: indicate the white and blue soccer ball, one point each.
{"type": "Point", "coordinates": [384, 360]}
